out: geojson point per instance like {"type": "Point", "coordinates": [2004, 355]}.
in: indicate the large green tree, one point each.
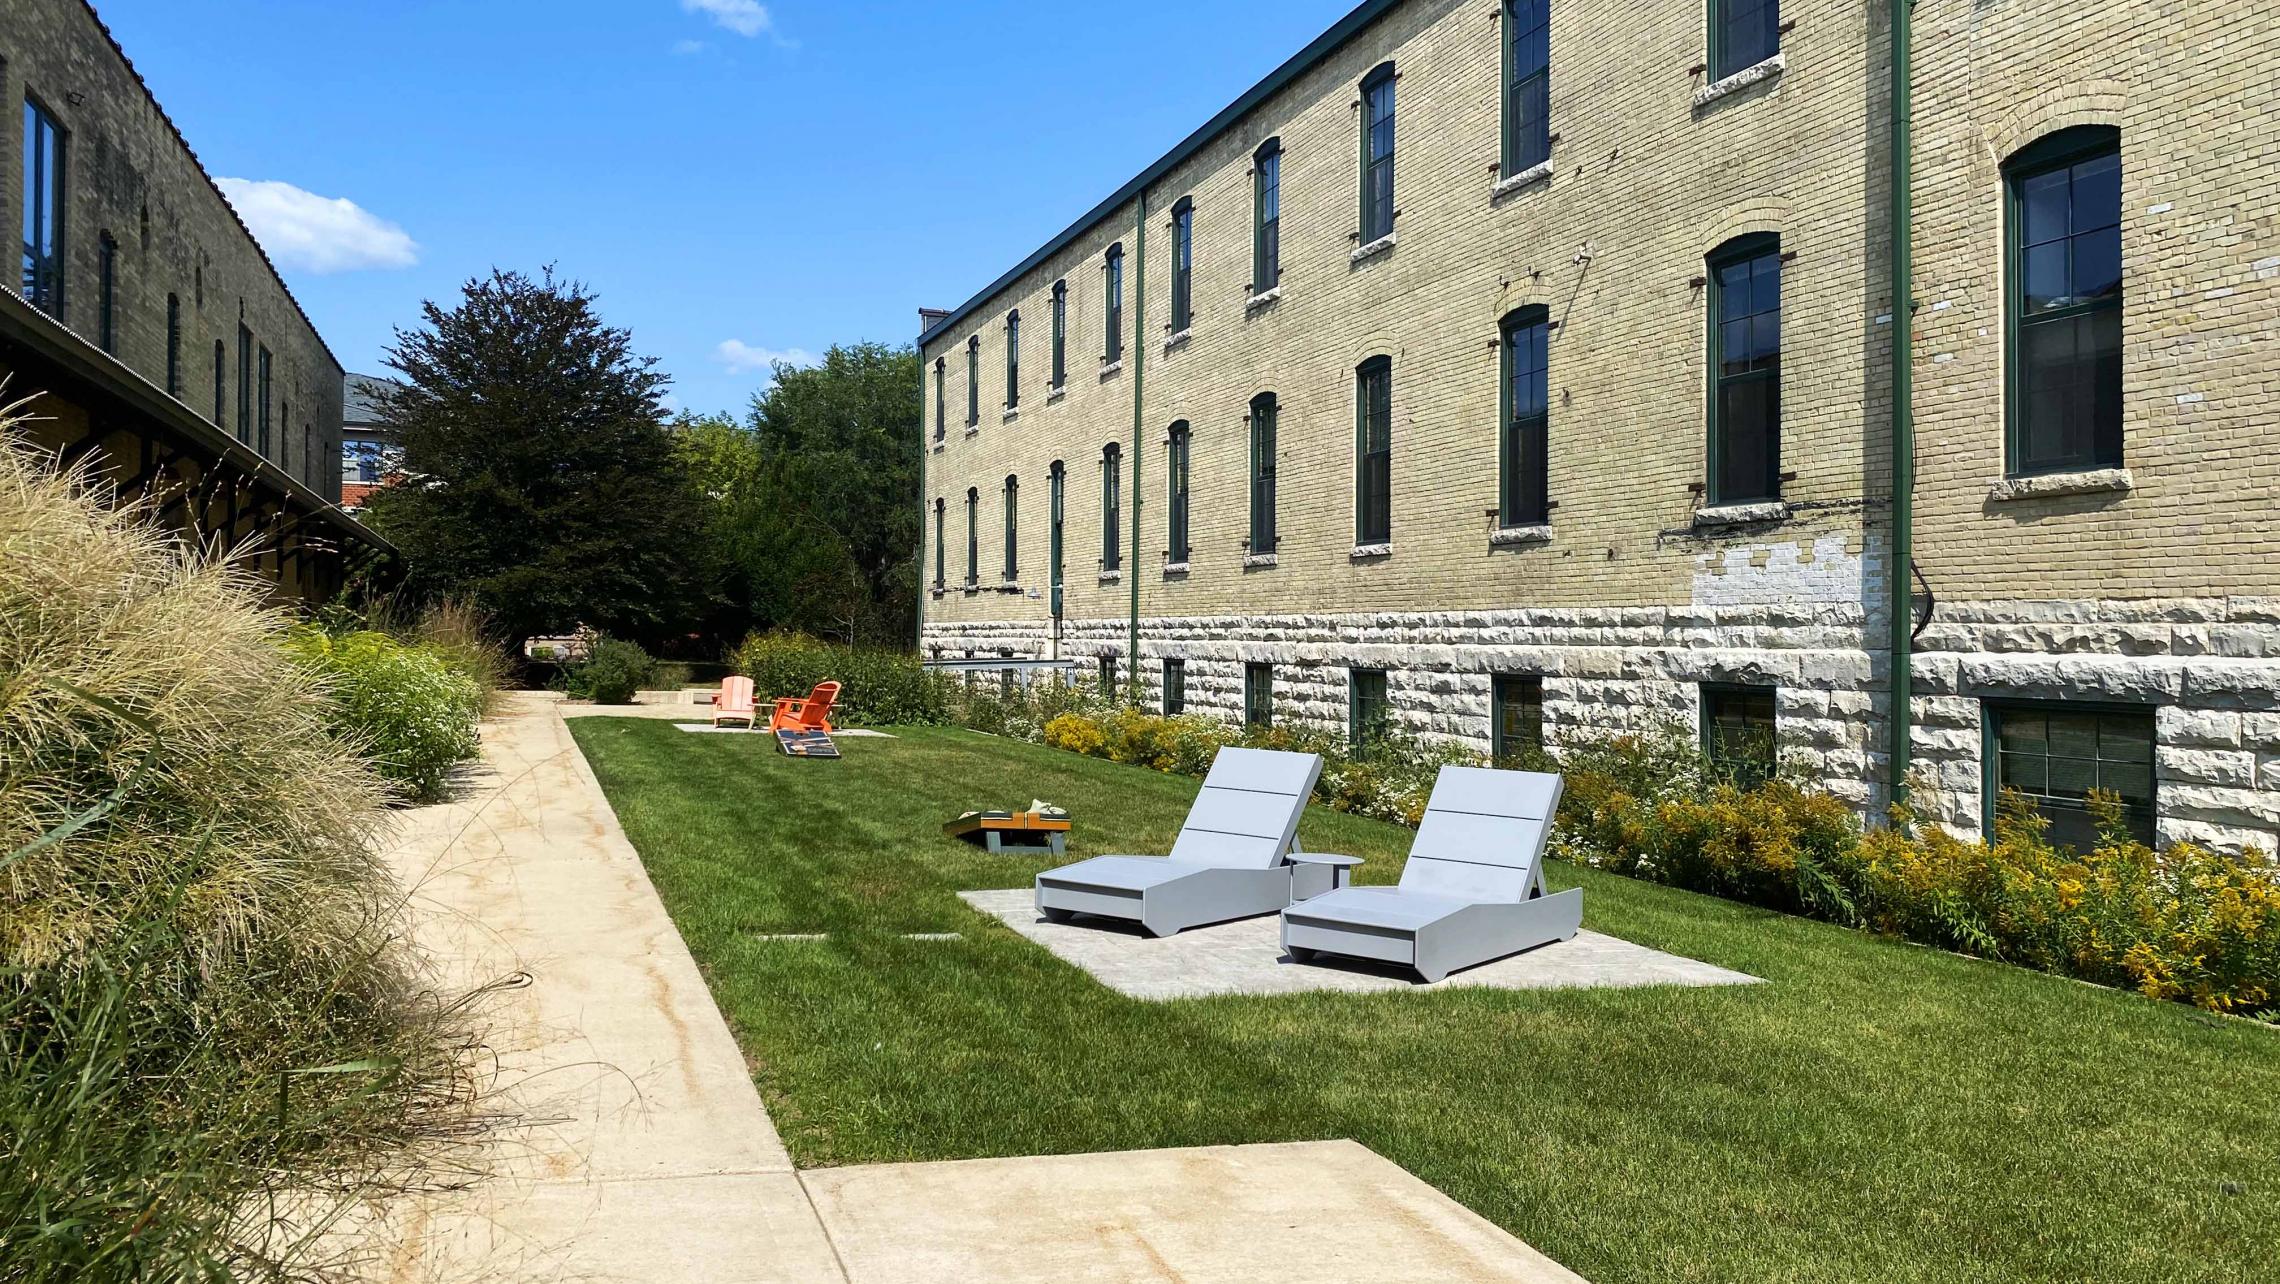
{"type": "Point", "coordinates": [539, 476]}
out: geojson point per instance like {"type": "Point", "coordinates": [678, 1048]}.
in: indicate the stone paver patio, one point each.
{"type": "Point", "coordinates": [1246, 957]}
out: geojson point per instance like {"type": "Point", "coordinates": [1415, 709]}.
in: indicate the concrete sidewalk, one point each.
{"type": "Point", "coordinates": [643, 1152]}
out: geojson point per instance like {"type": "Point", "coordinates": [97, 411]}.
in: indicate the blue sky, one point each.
{"type": "Point", "coordinates": [775, 177]}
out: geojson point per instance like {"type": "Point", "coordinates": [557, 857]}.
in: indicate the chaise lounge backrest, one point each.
{"type": "Point", "coordinates": [1246, 817]}
{"type": "Point", "coordinates": [1483, 833]}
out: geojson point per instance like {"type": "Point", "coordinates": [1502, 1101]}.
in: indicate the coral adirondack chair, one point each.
{"type": "Point", "coordinates": [735, 703]}
{"type": "Point", "coordinates": [812, 713]}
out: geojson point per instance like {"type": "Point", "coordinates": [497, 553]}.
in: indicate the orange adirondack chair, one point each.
{"type": "Point", "coordinates": [810, 714]}
{"type": "Point", "coordinates": [735, 702]}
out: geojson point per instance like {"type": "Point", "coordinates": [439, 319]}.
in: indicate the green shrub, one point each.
{"type": "Point", "coordinates": [218, 923]}
{"type": "Point", "coordinates": [611, 673]}
{"type": "Point", "coordinates": [877, 687]}
{"type": "Point", "coordinates": [406, 708]}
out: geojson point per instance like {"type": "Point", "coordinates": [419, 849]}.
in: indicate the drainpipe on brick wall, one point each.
{"type": "Point", "coordinates": [1139, 490]}
{"type": "Point", "coordinates": [925, 510]}
{"type": "Point", "coordinates": [1900, 577]}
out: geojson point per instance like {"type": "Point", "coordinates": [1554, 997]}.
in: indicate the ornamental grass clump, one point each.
{"type": "Point", "coordinates": [211, 1031]}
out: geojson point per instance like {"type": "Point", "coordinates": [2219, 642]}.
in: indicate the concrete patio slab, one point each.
{"type": "Point", "coordinates": [1324, 1212]}
{"type": "Point", "coordinates": [1246, 957]}
{"type": "Point", "coordinates": [706, 729]}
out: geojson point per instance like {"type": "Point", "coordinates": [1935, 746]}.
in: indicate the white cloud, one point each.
{"type": "Point", "coordinates": [744, 17]}
{"type": "Point", "coordinates": [317, 233]}
{"type": "Point", "coordinates": [743, 358]}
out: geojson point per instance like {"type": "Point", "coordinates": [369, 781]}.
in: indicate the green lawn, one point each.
{"type": "Point", "coordinates": [1877, 1112]}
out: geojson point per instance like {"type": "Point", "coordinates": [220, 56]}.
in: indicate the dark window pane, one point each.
{"type": "Point", "coordinates": [2048, 278]}
{"type": "Point", "coordinates": [2097, 193]}
{"type": "Point", "coordinates": [2046, 207]}
{"type": "Point", "coordinates": [2133, 781]}
{"type": "Point", "coordinates": [2097, 264]}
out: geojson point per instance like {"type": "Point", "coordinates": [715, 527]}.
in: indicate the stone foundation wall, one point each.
{"type": "Point", "coordinates": [2210, 666]}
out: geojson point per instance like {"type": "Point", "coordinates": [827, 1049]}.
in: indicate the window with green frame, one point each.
{"type": "Point", "coordinates": [1745, 370]}
{"type": "Point", "coordinates": [1366, 708]}
{"type": "Point", "coordinates": [1176, 511]}
{"type": "Point", "coordinates": [245, 386]}
{"type": "Point", "coordinates": [1262, 417]}
{"type": "Point", "coordinates": [261, 437]}
{"type": "Point", "coordinates": [1108, 673]}
{"type": "Point", "coordinates": [973, 380]}
{"type": "Point", "coordinates": [1111, 507]}
{"type": "Point", "coordinates": [1057, 478]}
{"type": "Point", "coordinates": [1373, 451]}
{"type": "Point", "coordinates": [1266, 216]}
{"type": "Point", "coordinates": [941, 407]}
{"type": "Point", "coordinates": [2064, 306]}
{"type": "Point", "coordinates": [1743, 33]}
{"type": "Point", "coordinates": [1523, 493]}
{"type": "Point", "coordinates": [1012, 528]}
{"type": "Point", "coordinates": [1527, 84]}
{"type": "Point", "coordinates": [1112, 273]}
{"type": "Point", "coordinates": [1377, 153]}
{"type": "Point", "coordinates": [938, 553]}
{"type": "Point", "coordinates": [1175, 688]}
{"type": "Point", "coordinates": [1258, 694]}
{"type": "Point", "coordinates": [1515, 715]}
{"type": "Point", "coordinates": [1183, 263]}
{"type": "Point", "coordinates": [973, 536]}
{"type": "Point", "coordinates": [1012, 359]}
{"type": "Point", "coordinates": [1060, 333]}
{"type": "Point", "coordinates": [2053, 754]}
{"type": "Point", "coordinates": [1739, 732]}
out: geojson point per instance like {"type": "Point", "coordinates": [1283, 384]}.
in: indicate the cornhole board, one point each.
{"type": "Point", "coordinates": [807, 744]}
{"type": "Point", "coordinates": [998, 830]}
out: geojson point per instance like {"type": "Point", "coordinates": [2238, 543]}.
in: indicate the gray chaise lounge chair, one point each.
{"type": "Point", "coordinates": [1230, 860]}
{"type": "Point", "coordinates": [1473, 889]}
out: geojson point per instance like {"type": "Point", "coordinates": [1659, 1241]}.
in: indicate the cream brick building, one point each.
{"type": "Point", "coordinates": [2096, 594]}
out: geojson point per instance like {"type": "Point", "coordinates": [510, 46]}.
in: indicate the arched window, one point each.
{"type": "Point", "coordinates": [1111, 507]}
{"type": "Point", "coordinates": [1060, 333]}
{"type": "Point", "coordinates": [1176, 512]}
{"type": "Point", "coordinates": [1527, 84]}
{"type": "Point", "coordinates": [973, 380]}
{"type": "Point", "coordinates": [1377, 153]}
{"type": "Point", "coordinates": [1183, 264]}
{"type": "Point", "coordinates": [1262, 417]}
{"type": "Point", "coordinates": [1053, 517]}
{"type": "Point", "coordinates": [1373, 451]}
{"type": "Point", "coordinates": [2064, 302]}
{"type": "Point", "coordinates": [1012, 528]}
{"type": "Point", "coordinates": [941, 412]}
{"type": "Point", "coordinates": [1266, 216]}
{"type": "Point", "coordinates": [1112, 274]}
{"type": "Point", "coordinates": [1523, 475]}
{"type": "Point", "coordinates": [1745, 370]}
{"type": "Point", "coordinates": [938, 532]}
{"type": "Point", "coordinates": [973, 536]}
{"type": "Point", "coordinates": [1012, 359]}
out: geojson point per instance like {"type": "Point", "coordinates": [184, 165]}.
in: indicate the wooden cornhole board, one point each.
{"type": "Point", "coordinates": [998, 830]}
{"type": "Point", "coordinates": [807, 744]}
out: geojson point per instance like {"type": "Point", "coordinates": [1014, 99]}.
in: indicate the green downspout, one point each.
{"type": "Point", "coordinates": [1139, 491]}
{"type": "Point", "coordinates": [1901, 575]}
{"type": "Point", "coordinates": [925, 511]}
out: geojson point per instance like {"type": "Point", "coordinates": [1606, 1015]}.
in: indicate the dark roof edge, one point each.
{"type": "Point", "coordinates": [1304, 60]}
{"type": "Point", "coordinates": [219, 195]}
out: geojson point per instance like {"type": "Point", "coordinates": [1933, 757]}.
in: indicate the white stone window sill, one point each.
{"type": "Point", "coordinates": [2091, 481]}
{"type": "Point", "coordinates": [1172, 569]}
{"type": "Point", "coordinates": [1011, 413]}
{"type": "Point", "coordinates": [1059, 392]}
{"type": "Point", "coordinates": [1009, 586]}
{"type": "Point", "coordinates": [939, 590]}
{"type": "Point", "coordinates": [938, 445]}
{"type": "Point", "coordinates": [1374, 248]}
{"type": "Point", "coordinates": [1108, 368]}
{"type": "Point", "coordinates": [1509, 536]}
{"type": "Point", "coordinates": [973, 430]}
{"type": "Point", "coordinates": [1528, 177]}
{"type": "Point", "coordinates": [1772, 510]}
{"type": "Point", "coordinates": [1756, 73]}
{"type": "Point", "coordinates": [1263, 299]}
{"type": "Point", "coordinates": [1179, 338]}
{"type": "Point", "coordinates": [1258, 561]}
{"type": "Point", "coordinates": [1366, 552]}
{"type": "Point", "coordinates": [1112, 577]}
{"type": "Point", "coordinates": [970, 586]}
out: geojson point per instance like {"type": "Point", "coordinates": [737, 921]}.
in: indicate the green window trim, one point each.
{"type": "Point", "coordinates": [1368, 709]}
{"type": "Point", "coordinates": [1523, 439]}
{"type": "Point", "coordinates": [1060, 333]}
{"type": "Point", "coordinates": [1743, 405]}
{"type": "Point", "coordinates": [973, 380]}
{"type": "Point", "coordinates": [1258, 694]}
{"type": "Point", "coordinates": [1743, 33]}
{"type": "Point", "coordinates": [1741, 729]}
{"type": "Point", "coordinates": [939, 506]}
{"type": "Point", "coordinates": [2088, 250]}
{"type": "Point", "coordinates": [2114, 749]}
{"type": "Point", "coordinates": [941, 405]}
{"type": "Point", "coordinates": [1112, 272]}
{"type": "Point", "coordinates": [1012, 359]}
{"type": "Point", "coordinates": [1377, 118]}
{"type": "Point", "coordinates": [1107, 667]}
{"type": "Point", "coordinates": [973, 536]}
{"type": "Point", "coordinates": [1527, 42]}
{"type": "Point", "coordinates": [1111, 507]}
{"type": "Point", "coordinates": [1266, 216]}
{"type": "Point", "coordinates": [1515, 715]}
{"type": "Point", "coordinates": [1175, 687]}
{"type": "Point", "coordinates": [1012, 528]}
{"type": "Point", "coordinates": [1373, 451]}
{"type": "Point", "coordinates": [1177, 442]}
{"type": "Point", "coordinates": [1261, 420]}
{"type": "Point", "coordinates": [1057, 477]}
{"type": "Point", "coordinates": [1183, 264]}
